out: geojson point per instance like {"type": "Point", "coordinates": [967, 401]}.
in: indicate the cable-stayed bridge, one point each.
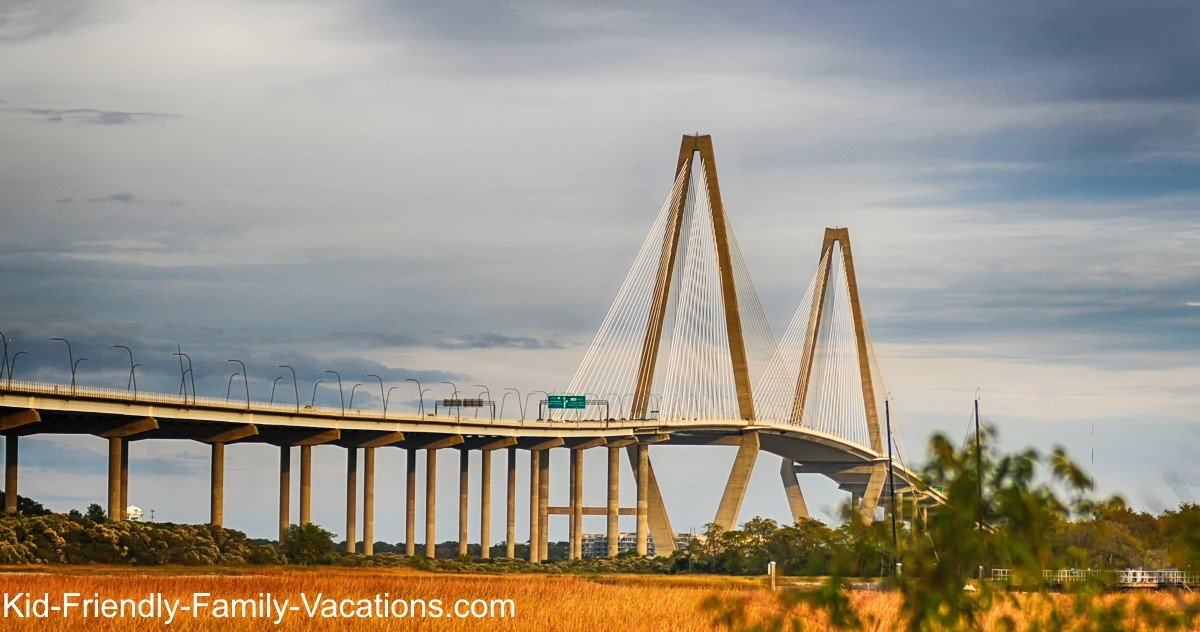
{"type": "Point", "coordinates": [684, 356]}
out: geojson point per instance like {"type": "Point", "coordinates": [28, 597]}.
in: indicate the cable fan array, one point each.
{"type": "Point", "coordinates": [694, 371]}
{"type": "Point", "coordinates": [821, 334]}
{"type": "Point", "coordinates": [812, 378]}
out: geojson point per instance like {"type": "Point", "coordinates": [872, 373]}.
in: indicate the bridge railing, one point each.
{"type": "Point", "coordinates": [117, 395]}
{"type": "Point", "coordinates": [1126, 577]}
{"type": "Point", "coordinates": [18, 387]}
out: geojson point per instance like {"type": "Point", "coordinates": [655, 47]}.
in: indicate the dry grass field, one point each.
{"type": "Point", "coordinates": [542, 602]}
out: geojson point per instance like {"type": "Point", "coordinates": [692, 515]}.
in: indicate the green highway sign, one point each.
{"type": "Point", "coordinates": [566, 401]}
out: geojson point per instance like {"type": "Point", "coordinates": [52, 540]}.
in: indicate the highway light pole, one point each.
{"type": "Point", "coordinates": [132, 378]}
{"type": "Point", "coordinates": [341, 393]}
{"type": "Point", "coordinates": [4, 367]}
{"type": "Point", "coordinates": [70, 360]}
{"type": "Point", "coordinates": [457, 409]}
{"type": "Point", "coordinates": [295, 384]}
{"type": "Point", "coordinates": [12, 366]}
{"type": "Point", "coordinates": [229, 386]}
{"type": "Point", "coordinates": [420, 396]}
{"type": "Point", "coordinates": [388, 398]}
{"type": "Point", "coordinates": [273, 385]}
{"type": "Point", "coordinates": [314, 397]}
{"type": "Point", "coordinates": [245, 380]}
{"type": "Point", "coordinates": [381, 392]}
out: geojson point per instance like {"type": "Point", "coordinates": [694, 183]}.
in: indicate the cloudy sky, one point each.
{"type": "Point", "coordinates": [456, 190]}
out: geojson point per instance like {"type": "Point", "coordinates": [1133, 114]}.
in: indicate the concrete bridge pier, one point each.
{"type": "Point", "coordinates": [305, 484]}
{"type": "Point", "coordinates": [614, 499]}
{"type": "Point", "coordinates": [464, 472]}
{"type": "Point", "coordinates": [114, 479]}
{"type": "Point", "coordinates": [351, 499]}
{"type": "Point", "coordinates": [544, 507]}
{"type": "Point", "coordinates": [285, 490]}
{"type": "Point", "coordinates": [535, 469]}
{"type": "Point", "coordinates": [430, 502]}
{"type": "Point", "coordinates": [576, 504]}
{"type": "Point", "coordinates": [368, 501]}
{"type": "Point", "coordinates": [410, 501]}
{"type": "Point", "coordinates": [216, 507]}
{"type": "Point", "coordinates": [10, 474]}
{"type": "Point", "coordinates": [485, 504]}
{"type": "Point", "coordinates": [124, 477]}
{"type": "Point", "coordinates": [510, 527]}
{"type": "Point", "coordinates": [643, 486]}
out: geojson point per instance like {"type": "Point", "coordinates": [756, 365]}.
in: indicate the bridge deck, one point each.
{"type": "Point", "coordinates": [102, 412]}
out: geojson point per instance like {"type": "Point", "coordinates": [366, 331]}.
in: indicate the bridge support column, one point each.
{"type": "Point", "coordinates": [870, 500]}
{"type": "Point", "coordinates": [114, 479]}
{"type": "Point", "coordinates": [216, 507]}
{"type": "Point", "coordinates": [485, 504]}
{"type": "Point", "coordinates": [431, 502]}
{"type": "Point", "coordinates": [791, 486]}
{"type": "Point", "coordinates": [368, 501]}
{"type": "Point", "coordinates": [576, 504]}
{"type": "Point", "coordinates": [643, 483]}
{"type": "Point", "coordinates": [464, 475]}
{"type": "Point", "coordinates": [285, 491]}
{"type": "Point", "coordinates": [535, 469]}
{"type": "Point", "coordinates": [656, 510]}
{"type": "Point", "coordinates": [410, 501]}
{"type": "Point", "coordinates": [351, 499]}
{"type": "Point", "coordinates": [510, 527]}
{"type": "Point", "coordinates": [614, 501]}
{"type": "Point", "coordinates": [124, 478]}
{"type": "Point", "coordinates": [305, 484]}
{"type": "Point", "coordinates": [544, 507]}
{"type": "Point", "coordinates": [10, 473]}
{"type": "Point", "coordinates": [739, 479]}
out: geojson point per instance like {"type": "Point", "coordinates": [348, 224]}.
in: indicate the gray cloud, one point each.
{"type": "Point", "coordinates": [94, 116]}
{"type": "Point", "coordinates": [495, 341]}
{"type": "Point", "coordinates": [125, 197]}
{"type": "Point", "coordinates": [22, 20]}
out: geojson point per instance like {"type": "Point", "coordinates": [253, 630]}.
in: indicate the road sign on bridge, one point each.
{"type": "Point", "coordinates": [566, 401]}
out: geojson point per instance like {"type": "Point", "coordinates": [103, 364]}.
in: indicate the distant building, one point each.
{"type": "Point", "coordinates": [596, 544]}
{"type": "Point", "coordinates": [133, 514]}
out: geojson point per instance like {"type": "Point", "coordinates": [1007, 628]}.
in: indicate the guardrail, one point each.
{"type": "Point", "coordinates": [118, 395]}
{"type": "Point", "coordinates": [1126, 578]}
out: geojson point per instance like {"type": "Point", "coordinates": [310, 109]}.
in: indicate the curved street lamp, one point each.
{"type": "Point", "coordinates": [388, 398]}
{"type": "Point", "coordinates": [183, 375]}
{"type": "Point", "coordinates": [71, 364]}
{"type": "Point", "coordinates": [245, 380]}
{"type": "Point", "coordinates": [132, 381]}
{"type": "Point", "coordinates": [295, 384]}
{"type": "Point", "coordinates": [420, 396]}
{"type": "Point", "coordinates": [12, 366]}
{"type": "Point", "coordinates": [381, 393]}
{"type": "Point", "coordinates": [314, 397]}
{"type": "Point", "coordinates": [458, 409]}
{"type": "Point", "coordinates": [4, 367]}
{"type": "Point", "coordinates": [341, 393]}
{"type": "Point", "coordinates": [355, 388]}
{"type": "Point", "coordinates": [229, 386]}
{"type": "Point", "coordinates": [519, 401]}
{"type": "Point", "coordinates": [273, 385]}
{"type": "Point", "coordinates": [504, 398]}
{"type": "Point", "coordinates": [133, 375]}
{"type": "Point", "coordinates": [530, 394]}
{"type": "Point", "coordinates": [74, 368]}
{"type": "Point", "coordinates": [489, 398]}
